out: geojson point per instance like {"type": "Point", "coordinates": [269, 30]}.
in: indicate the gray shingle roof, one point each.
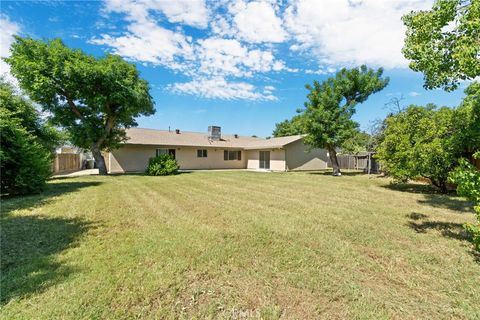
{"type": "Point", "coordinates": [141, 136]}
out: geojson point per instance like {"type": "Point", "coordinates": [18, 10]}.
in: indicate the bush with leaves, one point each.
{"type": "Point", "coordinates": [27, 143]}
{"type": "Point", "coordinates": [25, 163]}
{"type": "Point", "coordinates": [428, 141]}
{"type": "Point", "coordinates": [28, 117]}
{"type": "Point", "coordinates": [467, 179]}
{"type": "Point", "coordinates": [420, 142]}
{"type": "Point", "coordinates": [163, 165]}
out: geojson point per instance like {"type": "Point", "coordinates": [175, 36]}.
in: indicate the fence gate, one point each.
{"type": "Point", "coordinates": [66, 162]}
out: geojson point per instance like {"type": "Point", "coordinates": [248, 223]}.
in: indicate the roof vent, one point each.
{"type": "Point", "coordinates": [236, 136]}
{"type": "Point", "coordinates": [214, 133]}
{"type": "Point", "coordinates": [177, 131]}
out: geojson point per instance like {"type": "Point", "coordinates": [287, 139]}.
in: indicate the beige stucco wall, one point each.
{"type": "Point", "coordinates": [298, 157]}
{"type": "Point", "coordinates": [277, 159]}
{"type": "Point", "coordinates": [134, 158]}
{"type": "Point", "coordinates": [187, 159]}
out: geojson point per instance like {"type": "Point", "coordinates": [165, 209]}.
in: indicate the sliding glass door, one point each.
{"type": "Point", "coordinates": [264, 159]}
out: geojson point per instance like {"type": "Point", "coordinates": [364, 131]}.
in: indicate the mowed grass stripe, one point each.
{"type": "Point", "coordinates": [203, 195]}
{"type": "Point", "coordinates": [292, 245]}
{"type": "Point", "coordinates": [214, 200]}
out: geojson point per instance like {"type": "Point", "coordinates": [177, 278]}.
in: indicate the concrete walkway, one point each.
{"type": "Point", "coordinates": [86, 172]}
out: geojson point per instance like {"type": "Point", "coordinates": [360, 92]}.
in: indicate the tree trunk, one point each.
{"type": "Point", "coordinates": [333, 158]}
{"type": "Point", "coordinates": [100, 161]}
{"type": "Point", "coordinates": [440, 184]}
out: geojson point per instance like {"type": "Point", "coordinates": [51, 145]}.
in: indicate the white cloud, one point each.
{"type": "Point", "coordinates": [268, 89]}
{"type": "Point", "coordinates": [244, 36]}
{"type": "Point", "coordinates": [321, 70]}
{"type": "Point", "coordinates": [220, 88]}
{"type": "Point", "coordinates": [229, 57]}
{"type": "Point", "coordinates": [9, 29]}
{"type": "Point", "coordinates": [146, 41]}
{"type": "Point", "coordinates": [189, 12]}
{"type": "Point", "coordinates": [342, 32]}
{"type": "Point", "coordinates": [221, 26]}
{"type": "Point", "coordinates": [257, 22]}
{"type": "Point", "coordinates": [413, 94]}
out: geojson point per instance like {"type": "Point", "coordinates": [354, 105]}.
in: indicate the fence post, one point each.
{"type": "Point", "coordinates": [369, 163]}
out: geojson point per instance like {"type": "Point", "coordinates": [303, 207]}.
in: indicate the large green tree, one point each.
{"type": "Point", "coordinates": [94, 99]}
{"type": "Point", "coordinates": [331, 104]}
{"type": "Point", "coordinates": [444, 42]}
{"type": "Point", "coordinates": [290, 127]}
{"type": "Point", "coordinates": [420, 142]}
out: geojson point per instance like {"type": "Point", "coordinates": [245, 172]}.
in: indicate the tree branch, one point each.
{"type": "Point", "coordinates": [72, 104]}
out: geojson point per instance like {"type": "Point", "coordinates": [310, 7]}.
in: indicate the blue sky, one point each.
{"type": "Point", "coordinates": [239, 64]}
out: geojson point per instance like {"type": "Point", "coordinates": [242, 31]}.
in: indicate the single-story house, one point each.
{"type": "Point", "coordinates": [212, 150]}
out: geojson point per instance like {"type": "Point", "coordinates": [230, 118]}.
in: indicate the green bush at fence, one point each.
{"type": "Point", "coordinates": [162, 165]}
{"type": "Point", "coordinates": [25, 163]}
{"type": "Point", "coordinates": [26, 144]}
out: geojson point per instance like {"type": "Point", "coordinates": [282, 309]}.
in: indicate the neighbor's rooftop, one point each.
{"type": "Point", "coordinates": [142, 136]}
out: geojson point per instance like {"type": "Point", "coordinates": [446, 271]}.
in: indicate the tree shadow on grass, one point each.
{"type": "Point", "coordinates": [30, 243]}
{"type": "Point", "coordinates": [453, 230]}
{"type": "Point", "coordinates": [29, 246]}
{"type": "Point", "coordinates": [433, 197]}
{"type": "Point", "coordinates": [52, 190]}
{"type": "Point", "coordinates": [344, 173]}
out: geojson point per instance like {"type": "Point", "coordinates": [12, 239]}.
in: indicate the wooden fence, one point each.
{"type": "Point", "coordinates": [66, 162]}
{"type": "Point", "coordinates": [361, 162]}
{"type": "Point", "coordinates": [345, 162]}
{"type": "Point", "coordinates": [357, 162]}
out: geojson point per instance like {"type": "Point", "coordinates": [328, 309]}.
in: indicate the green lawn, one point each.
{"type": "Point", "coordinates": [237, 245]}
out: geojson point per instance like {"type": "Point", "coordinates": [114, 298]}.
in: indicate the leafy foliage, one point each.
{"type": "Point", "coordinates": [331, 104]}
{"type": "Point", "coordinates": [93, 99]}
{"type": "Point", "coordinates": [291, 127]}
{"type": "Point", "coordinates": [48, 136]}
{"type": "Point", "coordinates": [162, 165]}
{"type": "Point", "coordinates": [467, 179]}
{"type": "Point", "coordinates": [420, 142]}
{"type": "Point", "coordinates": [361, 141]}
{"type": "Point", "coordinates": [468, 119]}
{"type": "Point", "coordinates": [427, 141]}
{"type": "Point", "coordinates": [443, 43]}
{"type": "Point", "coordinates": [26, 143]}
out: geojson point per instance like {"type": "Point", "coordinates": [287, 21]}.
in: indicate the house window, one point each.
{"type": "Point", "coordinates": [165, 151]}
{"type": "Point", "coordinates": [201, 153]}
{"type": "Point", "coordinates": [232, 155]}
